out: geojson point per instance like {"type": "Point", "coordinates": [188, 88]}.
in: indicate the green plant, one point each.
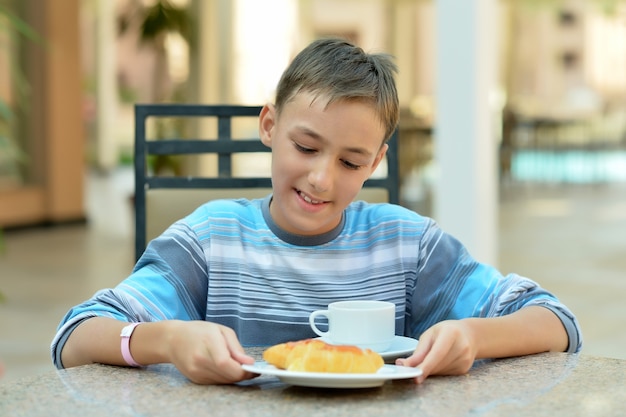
{"type": "Point", "coordinates": [156, 22]}
{"type": "Point", "coordinates": [11, 155]}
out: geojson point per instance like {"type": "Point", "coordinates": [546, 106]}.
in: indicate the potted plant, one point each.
{"type": "Point", "coordinates": [153, 24]}
{"type": "Point", "coordinates": [11, 155]}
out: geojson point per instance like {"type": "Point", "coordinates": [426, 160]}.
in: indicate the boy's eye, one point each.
{"type": "Point", "coordinates": [303, 149]}
{"type": "Point", "coordinates": [350, 165]}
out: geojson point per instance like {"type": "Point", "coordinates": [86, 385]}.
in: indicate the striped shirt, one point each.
{"type": "Point", "coordinates": [229, 263]}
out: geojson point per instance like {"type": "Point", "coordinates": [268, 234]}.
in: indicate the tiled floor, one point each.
{"type": "Point", "coordinates": [572, 239]}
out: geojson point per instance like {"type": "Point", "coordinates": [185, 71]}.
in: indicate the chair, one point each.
{"type": "Point", "coordinates": [162, 199]}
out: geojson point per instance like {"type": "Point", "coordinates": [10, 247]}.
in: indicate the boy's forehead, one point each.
{"type": "Point", "coordinates": [324, 99]}
{"type": "Point", "coordinates": [323, 102]}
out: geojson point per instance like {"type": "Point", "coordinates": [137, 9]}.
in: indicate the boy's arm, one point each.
{"type": "Point", "coordinates": [450, 347]}
{"type": "Point", "coordinates": [532, 329]}
{"type": "Point", "coordinates": [166, 292]}
{"type": "Point", "coordinates": [204, 352]}
{"type": "Point", "coordinates": [462, 310]}
{"type": "Point", "coordinates": [97, 340]}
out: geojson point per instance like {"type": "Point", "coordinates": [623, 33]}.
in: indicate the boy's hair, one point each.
{"type": "Point", "coordinates": [338, 70]}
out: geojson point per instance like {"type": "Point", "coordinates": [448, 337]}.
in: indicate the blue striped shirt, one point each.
{"type": "Point", "coordinates": [229, 263]}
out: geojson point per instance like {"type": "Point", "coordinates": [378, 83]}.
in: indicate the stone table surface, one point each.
{"type": "Point", "coordinates": [550, 384]}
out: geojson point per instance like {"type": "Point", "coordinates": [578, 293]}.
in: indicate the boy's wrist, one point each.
{"type": "Point", "coordinates": [152, 342]}
{"type": "Point", "coordinates": [125, 336]}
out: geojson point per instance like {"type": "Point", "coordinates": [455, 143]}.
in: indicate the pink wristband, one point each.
{"type": "Point", "coordinates": [127, 332]}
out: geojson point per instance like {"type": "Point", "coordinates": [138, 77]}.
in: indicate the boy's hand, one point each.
{"type": "Point", "coordinates": [450, 347]}
{"type": "Point", "coordinates": [207, 353]}
{"type": "Point", "coordinates": [447, 348]}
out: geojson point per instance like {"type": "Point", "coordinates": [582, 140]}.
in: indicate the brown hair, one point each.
{"type": "Point", "coordinates": [338, 70]}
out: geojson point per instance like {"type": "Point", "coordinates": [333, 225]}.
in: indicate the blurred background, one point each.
{"type": "Point", "coordinates": [555, 146]}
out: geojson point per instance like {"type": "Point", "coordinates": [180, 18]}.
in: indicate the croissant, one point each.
{"type": "Point", "coordinates": [314, 355]}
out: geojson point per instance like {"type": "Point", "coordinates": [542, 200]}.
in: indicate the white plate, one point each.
{"type": "Point", "coordinates": [331, 380]}
{"type": "Point", "coordinates": [400, 347]}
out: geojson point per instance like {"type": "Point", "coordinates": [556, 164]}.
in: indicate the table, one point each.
{"type": "Point", "coordinates": [549, 384]}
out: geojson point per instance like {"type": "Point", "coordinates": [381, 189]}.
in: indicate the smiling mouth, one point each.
{"type": "Point", "coordinates": [309, 199]}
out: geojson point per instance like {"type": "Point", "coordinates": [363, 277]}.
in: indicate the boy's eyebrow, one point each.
{"type": "Point", "coordinates": [313, 134]}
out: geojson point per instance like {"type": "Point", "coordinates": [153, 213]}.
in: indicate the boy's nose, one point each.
{"type": "Point", "coordinates": [321, 175]}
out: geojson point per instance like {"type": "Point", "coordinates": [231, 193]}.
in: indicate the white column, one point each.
{"type": "Point", "coordinates": [466, 146]}
{"type": "Point", "coordinates": [256, 67]}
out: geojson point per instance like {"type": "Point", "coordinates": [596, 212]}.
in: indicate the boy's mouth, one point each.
{"type": "Point", "coordinates": [309, 199]}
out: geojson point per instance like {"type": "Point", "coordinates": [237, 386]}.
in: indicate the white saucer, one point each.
{"type": "Point", "coordinates": [331, 380]}
{"type": "Point", "coordinates": [400, 347]}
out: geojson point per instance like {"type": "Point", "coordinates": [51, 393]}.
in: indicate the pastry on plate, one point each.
{"type": "Point", "coordinates": [315, 355]}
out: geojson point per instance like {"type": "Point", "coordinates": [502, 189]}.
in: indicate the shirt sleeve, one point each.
{"type": "Point", "coordinates": [452, 285]}
{"type": "Point", "coordinates": [169, 282]}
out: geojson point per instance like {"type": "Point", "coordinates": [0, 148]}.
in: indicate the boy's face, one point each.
{"type": "Point", "coordinates": [321, 156]}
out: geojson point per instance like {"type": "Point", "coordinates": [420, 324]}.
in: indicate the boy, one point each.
{"type": "Point", "coordinates": [243, 273]}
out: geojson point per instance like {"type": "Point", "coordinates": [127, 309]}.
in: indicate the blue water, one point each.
{"type": "Point", "coordinates": [571, 166]}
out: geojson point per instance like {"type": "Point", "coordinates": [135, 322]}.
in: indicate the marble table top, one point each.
{"type": "Point", "coordinates": [550, 384]}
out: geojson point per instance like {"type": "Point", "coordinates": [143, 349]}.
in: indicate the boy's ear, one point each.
{"type": "Point", "coordinates": [267, 121]}
{"type": "Point", "coordinates": [379, 157]}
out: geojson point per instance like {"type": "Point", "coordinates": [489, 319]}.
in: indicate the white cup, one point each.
{"type": "Point", "coordinates": [364, 323]}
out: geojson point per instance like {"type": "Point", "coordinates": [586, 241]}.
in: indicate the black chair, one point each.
{"type": "Point", "coordinates": [162, 199]}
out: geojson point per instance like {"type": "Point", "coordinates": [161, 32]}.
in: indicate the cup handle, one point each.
{"type": "Point", "coordinates": [312, 322]}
